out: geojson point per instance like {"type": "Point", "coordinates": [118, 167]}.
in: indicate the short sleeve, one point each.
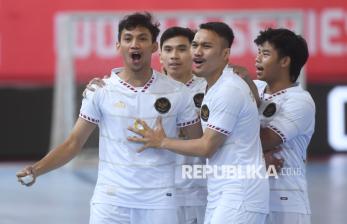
{"type": "Point", "coordinates": [187, 114]}
{"type": "Point", "coordinates": [296, 117]}
{"type": "Point", "coordinates": [89, 109]}
{"type": "Point", "coordinates": [225, 110]}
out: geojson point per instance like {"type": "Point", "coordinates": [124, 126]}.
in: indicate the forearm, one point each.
{"type": "Point", "coordinates": [269, 139]}
{"type": "Point", "coordinates": [57, 157]}
{"type": "Point", "coordinates": [193, 147]}
{"type": "Point", "coordinates": [253, 88]}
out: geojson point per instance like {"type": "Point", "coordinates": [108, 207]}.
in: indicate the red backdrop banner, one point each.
{"type": "Point", "coordinates": [28, 29]}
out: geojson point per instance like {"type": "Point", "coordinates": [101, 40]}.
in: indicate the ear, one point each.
{"type": "Point", "coordinates": [117, 45]}
{"type": "Point", "coordinates": [155, 47]}
{"type": "Point", "coordinates": [160, 59]}
{"type": "Point", "coordinates": [285, 62]}
{"type": "Point", "coordinates": [226, 53]}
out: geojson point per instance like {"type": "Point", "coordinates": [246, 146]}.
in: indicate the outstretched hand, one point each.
{"type": "Point", "coordinates": [151, 138]}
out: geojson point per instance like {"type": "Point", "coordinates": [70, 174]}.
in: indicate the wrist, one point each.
{"type": "Point", "coordinates": [163, 143]}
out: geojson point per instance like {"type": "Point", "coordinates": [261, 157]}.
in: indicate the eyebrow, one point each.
{"type": "Point", "coordinates": [202, 43]}
{"type": "Point", "coordinates": [265, 50]}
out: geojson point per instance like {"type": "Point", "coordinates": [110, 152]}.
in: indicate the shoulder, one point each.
{"type": "Point", "coordinates": [260, 84]}
{"type": "Point", "coordinates": [298, 96]}
{"type": "Point", "coordinates": [231, 83]}
{"type": "Point", "coordinates": [166, 83]}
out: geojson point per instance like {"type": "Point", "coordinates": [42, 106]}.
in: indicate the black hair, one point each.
{"type": "Point", "coordinates": [145, 20]}
{"type": "Point", "coordinates": [287, 43]}
{"type": "Point", "coordinates": [175, 32]}
{"type": "Point", "coordinates": [222, 29]}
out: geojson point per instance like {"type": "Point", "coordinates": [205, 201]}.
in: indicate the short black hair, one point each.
{"type": "Point", "coordinates": [287, 43]}
{"type": "Point", "coordinates": [222, 29]}
{"type": "Point", "coordinates": [132, 21]}
{"type": "Point", "coordinates": [176, 32]}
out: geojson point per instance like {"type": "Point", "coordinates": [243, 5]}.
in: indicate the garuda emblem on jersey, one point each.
{"type": "Point", "coordinates": [198, 99]}
{"type": "Point", "coordinates": [162, 105]}
{"type": "Point", "coordinates": [269, 110]}
{"type": "Point", "coordinates": [204, 112]}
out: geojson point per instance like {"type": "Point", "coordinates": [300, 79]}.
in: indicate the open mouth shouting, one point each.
{"type": "Point", "coordinates": [198, 62]}
{"type": "Point", "coordinates": [135, 57]}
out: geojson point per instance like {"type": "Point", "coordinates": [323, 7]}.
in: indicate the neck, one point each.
{"type": "Point", "coordinates": [184, 78]}
{"type": "Point", "coordinates": [136, 78]}
{"type": "Point", "coordinates": [273, 87]}
{"type": "Point", "coordinates": [212, 79]}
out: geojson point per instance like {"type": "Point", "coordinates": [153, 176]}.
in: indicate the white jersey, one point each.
{"type": "Point", "coordinates": [127, 178]}
{"type": "Point", "coordinates": [293, 120]}
{"type": "Point", "coordinates": [229, 108]}
{"type": "Point", "coordinates": [191, 192]}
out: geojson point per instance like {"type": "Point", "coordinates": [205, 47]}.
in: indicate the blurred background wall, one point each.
{"type": "Point", "coordinates": [28, 60]}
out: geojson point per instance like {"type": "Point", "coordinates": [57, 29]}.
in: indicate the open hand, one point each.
{"type": "Point", "coordinates": [151, 138]}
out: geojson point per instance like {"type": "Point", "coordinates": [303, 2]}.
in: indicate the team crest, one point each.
{"type": "Point", "coordinates": [204, 112]}
{"type": "Point", "coordinates": [270, 110]}
{"type": "Point", "coordinates": [162, 105]}
{"type": "Point", "coordinates": [198, 99]}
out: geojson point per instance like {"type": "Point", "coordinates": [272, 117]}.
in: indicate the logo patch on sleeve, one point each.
{"type": "Point", "coordinates": [270, 110]}
{"type": "Point", "coordinates": [198, 99]}
{"type": "Point", "coordinates": [204, 112]}
{"type": "Point", "coordinates": [162, 105]}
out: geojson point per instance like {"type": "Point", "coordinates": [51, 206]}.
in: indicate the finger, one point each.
{"type": "Point", "coordinates": [89, 87]}
{"type": "Point", "coordinates": [94, 81]}
{"type": "Point", "coordinates": [100, 83]}
{"type": "Point", "coordinates": [141, 149]}
{"type": "Point", "coordinates": [136, 131]}
{"type": "Point", "coordinates": [20, 174]}
{"type": "Point", "coordinates": [136, 139]}
{"type": "Point", "coordinates": [144, 124]}
{"type": "Point", "coordinates": [231, 65]}
{"type": "Point", "coordinates": [158, 121]}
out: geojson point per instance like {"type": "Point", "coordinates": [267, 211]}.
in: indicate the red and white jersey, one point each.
{"type": "Point", "coordinates": [293, 119]}
{"type": "Point", "coordinates": [128, 178]}
{"type": "Point", "coordinates": [191, 192]}
{"type": "Point", "coordinates": [230, 109]}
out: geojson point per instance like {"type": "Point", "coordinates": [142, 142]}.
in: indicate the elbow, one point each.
{"type": "Point", "coordinates": [209, 151]}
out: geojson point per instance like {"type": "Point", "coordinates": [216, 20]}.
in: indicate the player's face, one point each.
{"type": "Point", "coordinates": [176, 57]}
{"type": "Point", "coordinates": [267, 63]}
{"type": "Point", "coordinates": [136, 48]}
{"type": "Point", "coordinates": [209, 53]}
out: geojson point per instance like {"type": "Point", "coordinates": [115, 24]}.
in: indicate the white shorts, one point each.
{"type": "Point", "coordinates": [226, 215]}
{"type": "Point", "coordinates": [111, 214]}
{"type": "Point", "coordinates": [191, 214]}
{"type": "Point", "coordinates": [288, 218]}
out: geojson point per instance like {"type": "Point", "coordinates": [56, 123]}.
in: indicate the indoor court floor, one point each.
{"type": "Point", "coordinates": [62, 196]}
